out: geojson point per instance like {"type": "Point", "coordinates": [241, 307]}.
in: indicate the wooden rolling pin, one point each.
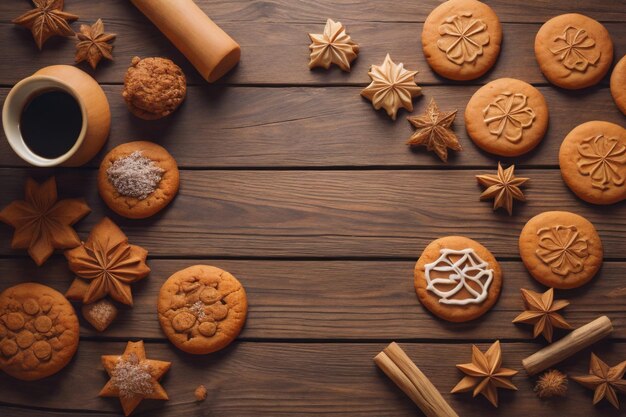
{"type": "Point", "coordinates": [210, 50]}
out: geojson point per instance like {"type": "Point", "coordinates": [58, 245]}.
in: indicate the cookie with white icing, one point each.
{"type": "Point", "coordinates": [457, 279]}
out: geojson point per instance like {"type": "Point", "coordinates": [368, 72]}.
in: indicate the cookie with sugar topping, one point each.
{"type": "Point", "coordinates": [138, 179]}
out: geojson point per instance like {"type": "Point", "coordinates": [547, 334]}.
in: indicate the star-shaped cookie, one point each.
{"type": "Point", "coordinates": [392, 87]}
{"type": "Point", "coordinates": [503, 187]}
{"type": "Point", "coordinates": [434, 131]}
{"type": "Point", "coordinates": [541, 310]}
{"type": "Point", "coordinates": [133, 377]}
{"type": "Point", "coordinates": [334, 46]}
{"type": "Point", "coordinates": [46, 20]}
{"type": "Point", "coordinates": [604, 380]}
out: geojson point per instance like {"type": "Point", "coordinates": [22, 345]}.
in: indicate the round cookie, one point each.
{"type": "Point", "coordinates": [593, 162]}
{"type": "Point", "coordinates": [457, 279]}
{"type": "Point", "coordinates": [461, 39]}
{"type": "Point", "coordinates": [38, 331]}
{"type": "Point", "coordinates": [507, 117]}
{"type": "Point", "coordinates": [202, 309]}
{"type": "Point", "coordinates": [153, 87]}
{"type": "Point", "coordinates": [138, 179]}
{"type": "Point", "coordinates": [561, 249]}
{"type": "Point", "coordinates": [618, 84]}
{"type": "Point", "coordinates": [573, 51]}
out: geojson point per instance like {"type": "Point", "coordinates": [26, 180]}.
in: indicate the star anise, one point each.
{"type": "Point", "coordinates": [93, 44]}
{"type": "Point", "coordinates": [392, 87]}
{"type": "Point", "coordinates": [541, 310]}
{"type": "Point", "coordinates": [43, 223]}
{"type": "Point", "coordinates": [503, 187]}
{"type": "Point", "coordinates": [434, 131]}
{"type": "Point", "coordinates": [604, 380]}
{"type": "Point", "coordinates": [106, 264]}
{"type": "Point", "coordinates": [47, 19]}
{"type": "Point", "coordinates": [334, 46]}
{"type": "Point", "coordinates": [484, 374]}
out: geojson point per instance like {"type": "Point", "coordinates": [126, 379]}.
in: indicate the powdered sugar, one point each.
{"type": "Point", "coordinates": [132, 377]}
{"type": "Point", "coordinates": [197, 309]}
{"type": "Point", "coordinates": [135, 175]}
{"type": "Point", "coordinates": [102, 311]}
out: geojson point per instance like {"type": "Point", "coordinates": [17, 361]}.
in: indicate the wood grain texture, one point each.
{"type": "Point", "coordinates": [268, 379]}
{"type": "Point", "coordinates": [322, 127]}
{"type": "Point", "coordinates": [341, 300]}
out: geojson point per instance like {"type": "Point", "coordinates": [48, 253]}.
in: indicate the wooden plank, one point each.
{"type": "Point", "coordinates": [340, 300]}
{"type": "Point", "coordinates": [322, 127]}
{"type": "Point", "coordinates": [360, 214]}
{"type": "Point", "coordinates": [276, 53]}
{"type": "Point", "coordinates": [267, 379]}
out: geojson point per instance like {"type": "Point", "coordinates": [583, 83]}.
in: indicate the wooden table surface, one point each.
{"type": "Point", "coordinates": [292, 182]}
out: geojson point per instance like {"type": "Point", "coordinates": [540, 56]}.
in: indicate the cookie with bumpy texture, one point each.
{"type": "Point", "coordinates": [592, 159]}
{"type": "Point", "coordinates": [618, 84]}
{"type": "Point", "coordinates": [561, 249]}
{"type": "Point", "coordinates": [461, 39]}
{"type": "Point", "coordinates": [573, 51]}
{"type": "Point", "coordinates": [133, 206]}
{"type": "Point", "coordinates": [507, 117]}
{"type": "Point", "coordinates": [202, 309]}
{"type": "Point", "coordinates": [38, 331]}
{"type": "Point", "coordinates": [457, 278]}
{"type": "Point", "coordinates": [153, 87]}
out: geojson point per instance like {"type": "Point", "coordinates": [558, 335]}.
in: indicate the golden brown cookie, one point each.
{"type": "Point", "coordinates": [461, 39]}
{"type": "Point", "coordinates": [153, 87]}
{"type": "Point", "coordinates": [38, 331]}
{"type": "Point", "coordinates": [457, 278]}
{"type": "Point", "coordinates": [618, 84]}
{"type": "Point", "coordinates": [138, 179]}
{"type": "Point", "coordinates": [507, 117]}
{"type": "Point", "coordinates": [560, 249]}
{"type": "Point", "coordinates": [202, 309]}
{"type": "Point", "coordinates": [593, 162]}
{"type": "Point", "coordinates": [573, 51]}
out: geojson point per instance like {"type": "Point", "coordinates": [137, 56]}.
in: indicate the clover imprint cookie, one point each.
{"type": "Point", "coordinates": [461, 39]}
{"type": "Point", "coordinates": [138, 179]}
{"type": "Point", "coordinates": [560, 249]}
{"type": "Point", "coordinates": [457, 278]}
{"type": "Point", "coordinates": [507, 117]}
{"type": "Point", "coordinates": [593, 162]}
{"type": "Point", "coordinates": [38, 331]}
{"type": "Point", "coordinates": [618, 84]}
{"type": "Point", "coordinates": [202, 309]}
{"type": "Point", "coordinates": [573, 51]}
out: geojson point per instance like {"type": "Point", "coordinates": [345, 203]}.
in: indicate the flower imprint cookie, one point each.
{"type": "Point", "coordinates": [457, 278]}
{"type": "Point", "coordinates": [461, 39]}
{"type": "Point", "coordinates": [507, 117]}
{"type": "Point", "coordinates": [202, 309]}
{"type": "Point", "coordinates": [561, 249]}
{"type": "Point", "coordinates": [593, 162]}
{"type": "Point", "coordinates": [38, 331]}
{"type": "Point", "coordinates": [618, 84]}
{"type": "Point", "coordinates": [573, 51]}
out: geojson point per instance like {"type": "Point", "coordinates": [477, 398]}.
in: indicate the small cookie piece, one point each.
{"type": "Point", "coordinates": [100, 314]}
{"type": "Point", "coordinates": [153, 87]}
{"type": "Point", "coordinates": [202, 309]}
{"type": "Point", "coordinates": [138, 179]}
{"type": "Point", "coordinates": [200, 393]}
{"type": "Point", "coordinates": [618, 84]}
{"type": "Point", "coordinates": [561, 249]}
{"type": "Point", "coordinates": [593, 162]}
{"type": "Point", "coordinates": [457, 279]}
{"type": "Point", "coordinates": [334, 46]}
{"type": "Point", "coordinates": [461, 39]}
{"type": "Point", "coordinates": [38, 331]}
{"type": "Point", "coordinates": [507, 117]}
{"type": "Point", "coordinates": [573, 51]}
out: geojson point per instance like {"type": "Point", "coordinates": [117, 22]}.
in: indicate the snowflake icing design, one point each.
{"type": "Point", "coordinates": [468, 273]}
{"type": "Point", "coordinates": [603, 160]}
{"type": "Point", "coordinates": [575, 49]}
{"type": "Point", "coordinates": [463, 38]}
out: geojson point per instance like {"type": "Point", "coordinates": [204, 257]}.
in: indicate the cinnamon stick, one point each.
{"type": "Point", "coordinates": [575, 341]}
{"type": "Point", "coordinates": [408, 377]}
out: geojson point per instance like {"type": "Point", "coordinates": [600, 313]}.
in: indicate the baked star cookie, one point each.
{"type": "Point", "coordinates": [593, 162]}
{"type": "Point", "coordinates": [573, 51]}
{"type": "Point", "coordinates": [138, 179]}
{"type": "Point", "coordinates": [507, 117]}
{"type": "Point", "coordinates": [38, 331]}
{"type": "Point", "coordinates": [561, 249]}
{"type": "Point", "coordinates": [618, 84]}
{"type": "Point", "coordinates": [461, 39]}
{"type": "Point", "coordinates": [202, 309]}
{"type": "Point", "coordinates": [457, 278]}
